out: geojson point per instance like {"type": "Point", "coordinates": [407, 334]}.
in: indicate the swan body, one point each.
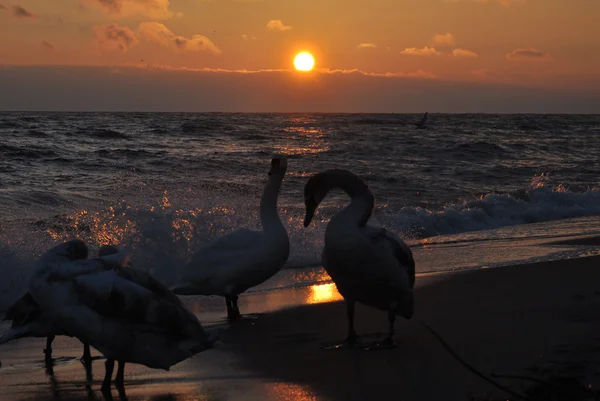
{"type": "Point", "coordinates": [370, 265]}
{"type": "Point", "coordinates": [123, 312]}
{"type": "Point", "coordinates": [243, 259]}
{"type": "Point", "coordinates": [28, 318]}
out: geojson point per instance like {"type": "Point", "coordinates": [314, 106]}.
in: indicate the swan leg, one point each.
{"type": "Point", "coordinates": [229, 307]}
{"type": "Point", "coordinates": [109, 368]}
{"type": "Point", "coordinates": [388, 342]}
{"type": "Point", "coordinates": [352, 340]}
{"type": "Point", "coordinates": [233, 312]}
{"type": "Point", "coordinates": [48, 349]}
{"type": "Point", "coordinates": [234, 304]}
{"type": "Point", "coordinates": [120, 378]}
{"type": "Point", "coordinates": [86, 359]}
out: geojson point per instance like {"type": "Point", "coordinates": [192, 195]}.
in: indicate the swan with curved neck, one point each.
{"type": "Point", "coordinates": [368, 264]}
{"type": "Point", "coordinates": [243, 259]}
{"type": "Point", "coordinates": [28, 318]}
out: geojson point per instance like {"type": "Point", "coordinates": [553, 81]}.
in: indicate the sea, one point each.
{"type": "Point", "coordinates": [467, 191]}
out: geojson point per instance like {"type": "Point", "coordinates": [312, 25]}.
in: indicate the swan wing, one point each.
{"type": "Point", "coordinates": [23, 310]}
{"type": "Point", "coordinates": [147, 281]}
{"type": "Point", "coordinates": [401, 250]}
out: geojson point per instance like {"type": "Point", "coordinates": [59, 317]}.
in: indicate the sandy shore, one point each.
{"type": "Point", "coordinates": [540, 320]}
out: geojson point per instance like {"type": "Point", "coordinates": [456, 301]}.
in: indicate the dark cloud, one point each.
{"type": "Point", "coordinates": [528, 54]}
{"type": "Point", "coordinates": [135, 89]}
{"type": "Point", "coordinates": [115, 36]}
{"type": "Point", "coordinates": [20, 12]}
{"type": "Point", "coordinates": [48, 46]}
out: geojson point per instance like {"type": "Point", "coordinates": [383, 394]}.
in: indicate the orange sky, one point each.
{"type": "Point", "coordinates": [547, 44]}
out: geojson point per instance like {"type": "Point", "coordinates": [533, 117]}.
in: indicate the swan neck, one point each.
{"type": "Point", "coordinates": [269, 217]}
{"type": "Point", "coordinates": [361, 199]}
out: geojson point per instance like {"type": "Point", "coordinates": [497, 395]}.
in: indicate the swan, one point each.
{"type": "Point", "coordinates": [237, 261]}
{"type": "Point", "coordinates": [28, 318]}
{"type": "Point", "coordinates": [370, 265]}
{"type": "Point", "coordinates": [122, 312]}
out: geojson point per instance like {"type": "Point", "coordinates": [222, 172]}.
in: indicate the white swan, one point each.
{"type": "Point", "coordinates": [28, 318]}
{"type": "Point", "coordinates": [122, 312]}
{"type": "Point", "coordinates": [235, 262]}
{"type": "Point", "coordinates": [369, 265]}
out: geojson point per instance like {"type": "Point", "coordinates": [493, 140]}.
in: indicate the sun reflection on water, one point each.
{"type": "Point", "coordinates": [321, 293]}
{"type": "Point", "coordinates": [291, 391]}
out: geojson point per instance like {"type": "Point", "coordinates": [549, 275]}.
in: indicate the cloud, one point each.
{"type": "Point", "coordinates": [367, 46]}
{"type": "Point", "coordinates": [425, 51]}
{"type": "Point", "coordinates": [48, 46]}
{"type": "Point", "coordinates": [444, 39]}
{"type": "Point", "coordinates": [463, 53]}
{"type": "Point", "coordinates": [528, 54]}
{"type": "Point", "coordinates": [505, 3]}
{"type": "Point", "coordinates": [158, 9]}
{"type": "Point", "coordinates": [3, 7]}
{"type": "Point", "coordinates": [113, 36]}
{"type": "Point", "coordinates": [277, 25]}
{"type": "Point", "coordinates": [160, 34]}
{"type": "Point", "coordinates": [20, 12]}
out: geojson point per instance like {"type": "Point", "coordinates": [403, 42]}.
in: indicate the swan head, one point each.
{"type": "Point", "coordinates": [314, 192]}
{"type": "Point", "coordinates": [278, 165]}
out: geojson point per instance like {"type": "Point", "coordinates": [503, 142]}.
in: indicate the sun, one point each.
{"type": "Point", "coordinates": [304, 61]}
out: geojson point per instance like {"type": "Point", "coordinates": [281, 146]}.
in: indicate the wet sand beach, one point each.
{"type": "Point", "coordinates": [538, 320]}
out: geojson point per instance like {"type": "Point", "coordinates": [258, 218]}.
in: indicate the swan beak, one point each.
{"type": "Point", "coordinates": [310, 212]}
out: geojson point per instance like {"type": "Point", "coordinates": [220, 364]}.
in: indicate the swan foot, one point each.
{"type": "Point", "coordinates": [351, 342]}
{"type": "Point", "coordinates": [388, 343]}
{"type": "Point", "coordinates": [232, 317]}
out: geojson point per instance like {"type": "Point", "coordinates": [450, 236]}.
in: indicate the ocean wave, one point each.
{"type": "Point", "coordinates": [490, 211]}
{"type": "Point", "coordinates": [102, 133]}
{"type": "Point", "coordinates": [25, 153]}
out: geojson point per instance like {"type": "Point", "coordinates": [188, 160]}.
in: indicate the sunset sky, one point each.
{"type": "Point", "coordinates": [237, 55]}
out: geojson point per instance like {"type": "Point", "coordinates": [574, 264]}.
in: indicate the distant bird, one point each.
{"type": "Point", "coordinates": [29, 319]}
{"type": "Point", "coordinates": [421, 124]}
{"type": "Point", "coordinates": [123, 312]}
{"type": "Point", "coordinates": [243, 259]}
{"type": "Point", "coordinates": [368, 264]}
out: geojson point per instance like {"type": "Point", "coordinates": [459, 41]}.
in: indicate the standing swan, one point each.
{"type": "Point", "coordinates": [235, 262]}
{"type": "Point", "coordinates": [369, 265]}
{"type": "Point", "coordinates": [120, 311]}
{"type": "Point", "coordinates": [28, 318]}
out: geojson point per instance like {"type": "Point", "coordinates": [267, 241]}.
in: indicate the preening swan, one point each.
{"type": "Point", "coordinates": [122, 312]}
{"type": "Point", "coordinates": [368, 264]}
{"type": "Point", "coordinates": [235, 262]}
{"type": "Point", "coordinates": [28, 318]}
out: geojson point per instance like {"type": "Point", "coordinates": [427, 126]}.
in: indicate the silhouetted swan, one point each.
{"type": "Point", "coordinates": [122, 312]}
{"type": "Point", "coordinates": [421, 124]}
{"type": "Point", "coordinates": [368, 264]}
{"type": "Point", "coordinates": [28, 319]}
{"type": "Point", "coordinates": [235, 262]}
